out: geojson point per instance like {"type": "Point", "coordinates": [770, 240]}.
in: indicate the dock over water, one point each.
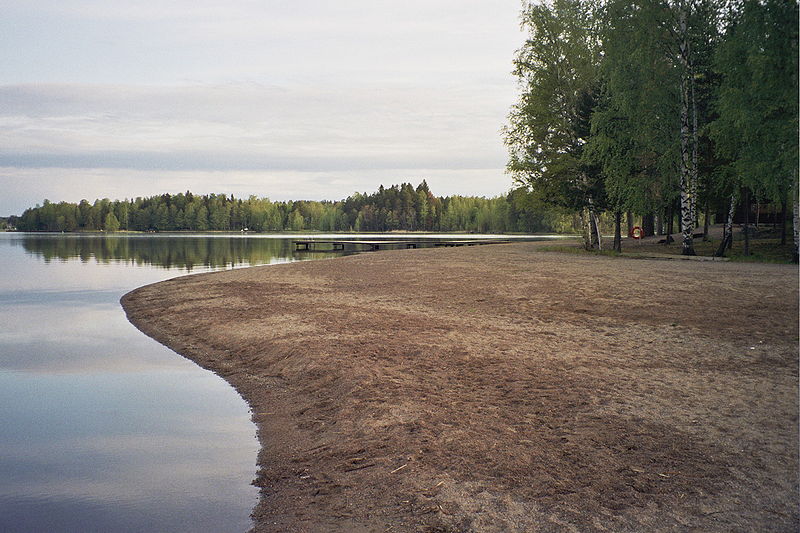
{"type": "Point", "coordinates": [327, 245]}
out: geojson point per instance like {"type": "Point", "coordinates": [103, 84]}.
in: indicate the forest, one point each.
{"type": "Point", "coordinates": [674, 113]}
{"type": "Point", "coordinates": [660, 111]}
{"type": "Point", "coordinates": [396, 208]}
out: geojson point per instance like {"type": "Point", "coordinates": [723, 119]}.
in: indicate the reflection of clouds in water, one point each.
{"type": "Point", "coordinates": [78, 337]}
{"type": "Point", "coordinates": [130, 467]}
{"type": "Point", "coordinates": [101, 427]}
{"type": "Point", "coordinates": [28, 271]}
{"type": "Point", "coordinates": [174, 402]}
{"type": "Point", "coordinates": [144, 442]}
{"type": "Point", "coordinates": [42, 513]}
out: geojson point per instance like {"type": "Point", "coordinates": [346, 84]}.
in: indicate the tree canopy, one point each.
{"type": "Point", "coordinates": [399, 207]}
{"type": "Point", "coordinates": [649, 105]}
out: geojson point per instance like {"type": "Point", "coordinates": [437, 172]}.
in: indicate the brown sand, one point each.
{"type": "Point", "coordinates": [498, 388]}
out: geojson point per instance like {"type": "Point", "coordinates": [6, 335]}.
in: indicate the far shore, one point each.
{"type": "Point", "coordinates": [501, 388]}
{"type": "Point", "coordinates": [298, 232]}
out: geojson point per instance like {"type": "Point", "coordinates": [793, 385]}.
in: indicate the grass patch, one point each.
{"type": "Point", "coordinates": [763, 251]}
{"type": "Point", "coordinates": [764, 248]}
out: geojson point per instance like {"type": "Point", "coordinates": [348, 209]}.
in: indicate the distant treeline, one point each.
{"type": "Point", "coordinates": [400, 207]}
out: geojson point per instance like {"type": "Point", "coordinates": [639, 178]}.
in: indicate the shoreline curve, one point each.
{"type": "Point", "coordinates": [498, 388]}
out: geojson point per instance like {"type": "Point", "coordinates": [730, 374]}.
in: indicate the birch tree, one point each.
{"type": "Point", "coordinates": [688, 167]}
{"type": "Point", "coordinates": [646, 132]}
{"type": "Point", "coordinates": [757, 124]}
{"type": "Point", "coordinates": [557, 68]}
{"type": "Point", "coordinates": [633, 137]}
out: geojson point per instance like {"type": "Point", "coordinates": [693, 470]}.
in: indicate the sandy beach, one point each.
{"type": "Point", "coordinates": [500, 388]}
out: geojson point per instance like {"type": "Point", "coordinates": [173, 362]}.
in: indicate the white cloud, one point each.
{"type": "Point", "coordinates": [183, 89]}
{"type": "Point", "coordinates": [182, 40]}
{"type": "Point", "coordinates": [252, 126]}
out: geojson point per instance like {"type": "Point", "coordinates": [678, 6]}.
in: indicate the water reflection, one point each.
{"type": "Point", "coordinates": [185, 252]}
{"type": "Point", "coordinates": [73, 335]}
{"type": "Point", "coordinates": [89, 453]}
{"type": "Point", "coordinates": [192, 251]}
{"type": "Point", "coordinates": [102, 428]}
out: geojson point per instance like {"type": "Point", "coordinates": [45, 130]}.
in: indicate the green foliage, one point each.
{"type": "Point", "coordinates": [396, 208]}
{"type": "Point", "coordinates": [757, 124]}
{"type": "Point", "coordinates": [699, 94]}
{"type": "Point", "coordinates": [558, 72]}
{"type": "Point", "coordinates": [636, 129]}
{"type": "Point", "coordinates": [765, 251]}
{"type": "Point", "coordinates": [111, 222]}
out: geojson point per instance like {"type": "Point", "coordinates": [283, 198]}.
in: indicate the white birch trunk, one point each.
{"type": "Point", "coordinates": [597, 229]}
{"type": "Point", "coordinates": [586, 224]}
{"type": "Point", "coordinates": [796, 224]}
{"type": "Point", "coordinates": [686, 185]}
{"type": "Point", "coordinates": [695, 167]}
{"type": "Point", "coordinates": [729, 223]}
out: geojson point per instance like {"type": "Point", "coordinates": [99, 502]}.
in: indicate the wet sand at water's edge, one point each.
{"type": "Point", "coordinates": [498, 388]}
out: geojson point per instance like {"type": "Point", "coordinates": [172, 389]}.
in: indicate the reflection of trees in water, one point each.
{"type": "Point", "coordinates": [181, 252]}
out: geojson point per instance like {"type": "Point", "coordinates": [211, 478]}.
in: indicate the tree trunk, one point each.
{"type": "Point", "coordinates": [727, 230]}
{"type": "Point", "coordinates": [758, 213]}
{"type": "Point", "coordinates": [618, 231]}
{"type": "Point", "coordinates": [783, 220]}
{"type": "Point", "coordinates": [586, 229]}
{"type": "Point", "coordinates": [796, 224]}
{"type": "Point", "coordinates": [746, 227]}
{"type": "Point", "coordinates": [686, 186]}
{"type": "Point", "coordinates": [597, 230]}
{"type": "Point", "coordinates": [647, 225]}
{"type": "Point", "coordinates": [670, 222]}
{"type": "Point", "coordinates": [594, 226]}
{"type": "Point", "coordinates": [695, 145]}
{"type": "Point", "coordinates": [660, 223]}
{"type": "Point", "coordinates": [629, 217]}
{"type": "Point", "coordinates": [705, 220]}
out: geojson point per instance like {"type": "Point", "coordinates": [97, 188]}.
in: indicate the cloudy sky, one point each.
{"type": "Point", "coordinates": [301, 99]}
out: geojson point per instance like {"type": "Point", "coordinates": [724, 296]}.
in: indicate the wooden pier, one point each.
{"type": "Point", "coordinates": [310, 245]}
{"type": "Point", "coordinates": [473, 242]}
{"type": "Point", "coordinates": [313, 245]}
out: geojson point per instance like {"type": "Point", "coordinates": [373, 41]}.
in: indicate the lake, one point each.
{"type": "Point", "coordinates": [101, 428]}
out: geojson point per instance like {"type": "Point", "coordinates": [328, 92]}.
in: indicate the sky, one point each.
{"type": "Point", "coordinates": [300, 99]}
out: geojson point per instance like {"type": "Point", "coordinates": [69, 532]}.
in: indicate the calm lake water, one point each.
{"type": "Point", "coordinates": [101, 428]}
